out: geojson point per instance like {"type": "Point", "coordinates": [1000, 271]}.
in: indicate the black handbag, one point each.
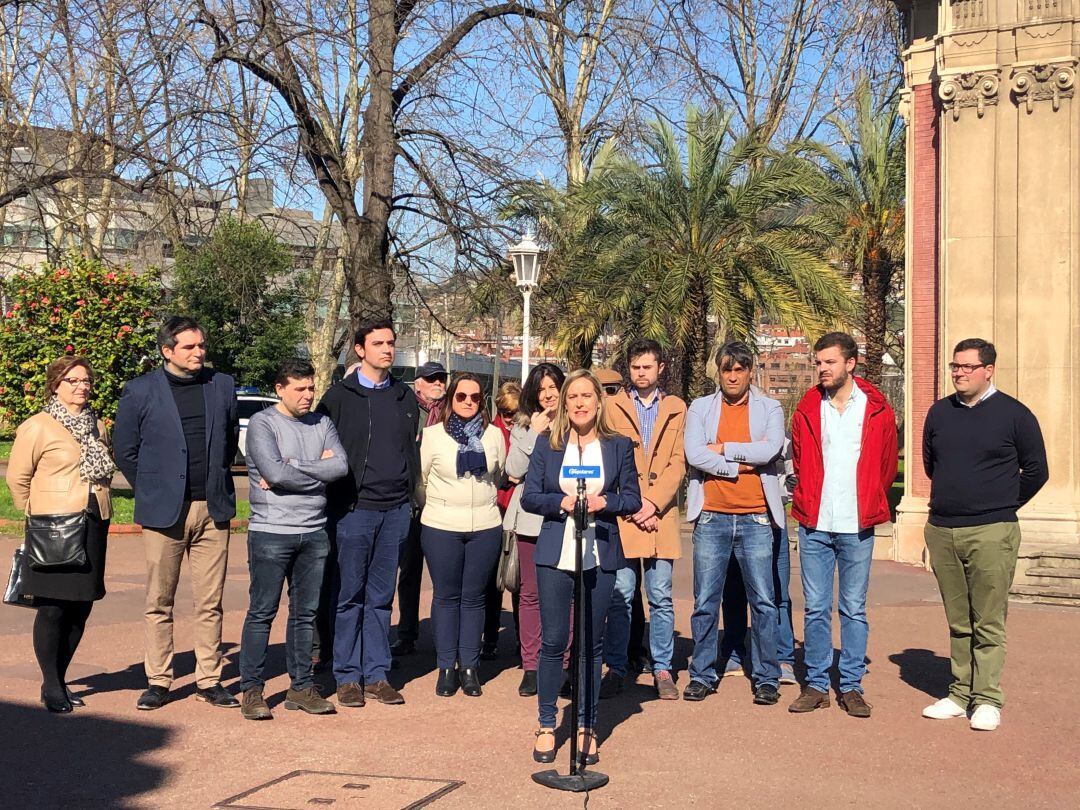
{"type": "Point", "coordinates": [55, 541]}
{"type": "Point", "coordinates": [13, 594]}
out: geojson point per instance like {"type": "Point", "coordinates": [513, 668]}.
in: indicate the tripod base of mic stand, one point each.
{"type": "Point", "coordinates": [575, 783]}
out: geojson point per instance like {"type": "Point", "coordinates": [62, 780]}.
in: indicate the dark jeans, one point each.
{"type": "Point", "coordinates": [493, 604]}
{"type": "Point", "coordinates": [273, 559]}
{"type": "Point", "coordinates": [556, 590]}
{"type": "Point", "coordinates": [368, 541]}
{"type": "Point", "coordinates": [734, 605]}
{"type": "Point", "coordinates": [460, 565]}
{"type": "Point", "coordinates": [410, 574]}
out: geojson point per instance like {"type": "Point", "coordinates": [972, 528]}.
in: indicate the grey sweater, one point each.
{"type": "Point", "coordinates": [286, 453]}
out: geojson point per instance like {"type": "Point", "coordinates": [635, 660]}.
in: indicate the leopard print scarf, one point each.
{"type": "Point", "coordinates": [95, 463]}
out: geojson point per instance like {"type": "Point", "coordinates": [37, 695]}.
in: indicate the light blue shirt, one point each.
{"type": "Point", "coordinates": [841, 445]}
{"type": "Point", "coordinates": [366, 383]}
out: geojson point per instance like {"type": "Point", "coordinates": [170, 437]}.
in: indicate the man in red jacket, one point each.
{"type": "Point", "coordinates": [843, 437]}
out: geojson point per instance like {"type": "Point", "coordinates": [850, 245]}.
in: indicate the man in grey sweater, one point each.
{"type": "Point", "coordinates": [292, 454]}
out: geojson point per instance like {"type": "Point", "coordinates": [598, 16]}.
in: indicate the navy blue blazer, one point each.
{"type": "Point", "coordinates": [151, 452]}
{"type": "Point", "coordinates": [542, 496]}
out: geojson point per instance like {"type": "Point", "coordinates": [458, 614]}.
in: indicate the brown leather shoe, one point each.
{"type": "Point", "coordinates": [809, 700]}
{"type": "Point", "coordinates": [665, 686]}
{"type": "Point", "coordinates": [383, 692]}
{"type": "Point", "coordinates": [351, 695]}
{"type": "Point", "coordinates": [853, 703]}
{"type": "Point", "coordinates": [253, 706]}
{"type": "Point", "coordinates": [308, 700]}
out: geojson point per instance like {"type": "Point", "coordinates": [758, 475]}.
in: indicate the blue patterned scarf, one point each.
{"type": "Point", "coordinates": [470, 454]}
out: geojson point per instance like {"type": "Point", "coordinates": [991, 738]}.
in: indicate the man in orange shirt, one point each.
{"type": "Point", "coordinates": [733, 441]}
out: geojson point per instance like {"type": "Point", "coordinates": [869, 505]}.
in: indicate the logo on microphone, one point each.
{"type": "Point", "coordinates": [570, 471]}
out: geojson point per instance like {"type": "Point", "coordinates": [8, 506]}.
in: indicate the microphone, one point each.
{"type": "Point", "coordinates": [581, 507]}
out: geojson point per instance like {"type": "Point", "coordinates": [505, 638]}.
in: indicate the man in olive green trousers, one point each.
{"type": "Point", "coordinates": [984, 454]}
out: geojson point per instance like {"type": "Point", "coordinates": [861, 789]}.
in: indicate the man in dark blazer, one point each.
{"type": "Point", "coordinates": [175, 437]}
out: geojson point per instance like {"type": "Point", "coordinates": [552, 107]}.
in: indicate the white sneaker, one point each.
{"type": "Point", "coordinates": [985, 717]}
{"type": "Point", "coordinates": [944, 709]}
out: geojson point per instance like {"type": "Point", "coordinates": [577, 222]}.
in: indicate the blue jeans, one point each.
{"type": "Point", "coordinates": [367, 558]}
{"type": "Point", "coordinates": [718, 536]}
{"type": "Point", "coordinates": [657, 575]}
{"type": "Point", "coordinates": [460, 564]}
{"type": "Point", "coordinates": [556, 592]}
{"type": "Point", "coordinates": [820, 554]}
{"type": "Point", "coordinates": [620, 608]}
{"type": "Point", "coordinates": [273, 559]}
{"type": "Point", "coordinates": [734, 607]}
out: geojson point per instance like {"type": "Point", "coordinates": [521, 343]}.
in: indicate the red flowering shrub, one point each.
{"type": "Point", "coordinates": [78, 306]}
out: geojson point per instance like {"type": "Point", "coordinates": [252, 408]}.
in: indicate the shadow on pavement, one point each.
{"type": "Point", "coordinates": [924, 670]}
{"type": "Point", "coordinates": [76, 760]}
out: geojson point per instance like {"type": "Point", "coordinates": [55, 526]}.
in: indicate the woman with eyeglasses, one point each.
{"type": "Point", "coordinates": [580, 436]}
{"type": "Point", "coordinates": [461, 464]}
{"type": "Point", "coordinates": [60, 464]}
{"type": "Point", "coordinates": [536, 410]}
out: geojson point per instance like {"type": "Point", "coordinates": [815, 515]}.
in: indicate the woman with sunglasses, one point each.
{"type": "Point", "coordinates": [536, 410]}
{"type": "Point", "coordinates": [60, 464]}
{"type": "Point", "coordinates": [461, 463]}
{"type": "Point", "coordinates": [580, 436]}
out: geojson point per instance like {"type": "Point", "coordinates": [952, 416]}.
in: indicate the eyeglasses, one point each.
{"type": "Point", "coordinates": [75, 382]}
{"type": "Point", "coordinates": [461, 396]}
{"type": "Point", "coordinates": [612, 390]}
{"type": "Point", "coordinates": [438, 378]}
{"type": "Point", "coordinates": [967, 368]}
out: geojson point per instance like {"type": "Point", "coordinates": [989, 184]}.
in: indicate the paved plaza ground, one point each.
{"type": "Point", "coordinates": [475, 753]}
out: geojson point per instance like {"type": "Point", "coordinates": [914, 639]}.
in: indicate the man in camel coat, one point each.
{"type": "Point", "coordinates": [650, 538]}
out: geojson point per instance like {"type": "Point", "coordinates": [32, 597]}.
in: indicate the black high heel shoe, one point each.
{"type": "Point", "coordinates": [74, 701]}
{"type": "Point", "coordinates": [470, 682]}
{"type": "Point", "coordinates": [540, 755]}
{"type": "Point", "coordinates": [447, 684]}
{"type": "Point", "coordinates": [56, 705]}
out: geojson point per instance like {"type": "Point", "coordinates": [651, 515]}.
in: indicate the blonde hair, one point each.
{"type": "Point", "coordinates": [508, 397]}
{"type": "Point", "coordinates": [560, 425]}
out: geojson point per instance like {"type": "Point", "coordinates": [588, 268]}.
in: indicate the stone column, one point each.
{"type": "Point", "coordinates": [1000, 258]}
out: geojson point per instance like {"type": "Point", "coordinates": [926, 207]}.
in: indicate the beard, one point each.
{"type": "Point", "coordinates": [837, 382]}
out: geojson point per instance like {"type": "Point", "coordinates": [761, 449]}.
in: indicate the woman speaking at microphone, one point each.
{"type": "Point", "coordinates": [580, 437]}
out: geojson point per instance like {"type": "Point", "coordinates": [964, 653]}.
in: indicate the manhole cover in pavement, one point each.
{"type": "Point", "coordinates": [309, 790]}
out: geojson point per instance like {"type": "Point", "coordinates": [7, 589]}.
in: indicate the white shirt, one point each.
{"type": "Point", "coordinates": [985, 395]}
{"type": "Point", "coordinates": [590, 456]}
{"type": "Point", "coordinates": [841, 445]}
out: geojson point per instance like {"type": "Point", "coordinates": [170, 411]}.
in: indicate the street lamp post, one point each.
{"type": "Point", "coordinates": [526, 258]}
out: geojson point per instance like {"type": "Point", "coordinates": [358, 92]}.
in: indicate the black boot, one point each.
{"type": "Point", "coordinates": [527, 687]}
{"type": "Point", "coordinates": [447, 684]}
{"type": "Point", "coordinates": [470, 682]}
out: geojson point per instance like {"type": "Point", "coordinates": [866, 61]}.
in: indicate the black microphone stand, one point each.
{"type": "Point", "coordinates": [579, 779]}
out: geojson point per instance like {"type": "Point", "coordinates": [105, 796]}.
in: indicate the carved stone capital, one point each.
{"type": "Point", "coordinates": [1051, 82]}
{"type": "Point", "coordinates": [977, 89]}
{"type": "Point", "coordinates": [904, 107]}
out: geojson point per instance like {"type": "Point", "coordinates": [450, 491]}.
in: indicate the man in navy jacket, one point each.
{"type": "Point", "coordinates": [175, 437]}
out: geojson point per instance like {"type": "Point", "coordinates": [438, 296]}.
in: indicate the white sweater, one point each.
{"type": "Point", "coordinates": [458, 504]}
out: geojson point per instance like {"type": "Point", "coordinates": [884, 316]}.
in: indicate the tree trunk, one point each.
{"type": "Point", "coordinates": [370, 283]}
{"type": "Point", "coordinates": [695, 381]}
{"type": "Point", "coordinates": [323, 350]}
{"type": "Point", "coordinates": [579, 354]}
{"type": "Point", "coordinates": [875, 305]}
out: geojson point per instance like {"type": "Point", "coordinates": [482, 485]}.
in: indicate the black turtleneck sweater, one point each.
{"type": "Point", "coordinates": [190, 404]}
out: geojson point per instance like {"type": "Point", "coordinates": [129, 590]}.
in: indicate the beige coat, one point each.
{"type": "Point", "coordinates": [660, 474]}
{"type": "Point", "coordinates": [458, 504]}
{"type": "Point", "coordinates": [43, 471]}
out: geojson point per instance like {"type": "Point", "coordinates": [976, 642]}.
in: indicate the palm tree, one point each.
{"type": "Point", "coordinates": [717, 229]}
{"type": "Point", "coordinates": [867, 207]}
